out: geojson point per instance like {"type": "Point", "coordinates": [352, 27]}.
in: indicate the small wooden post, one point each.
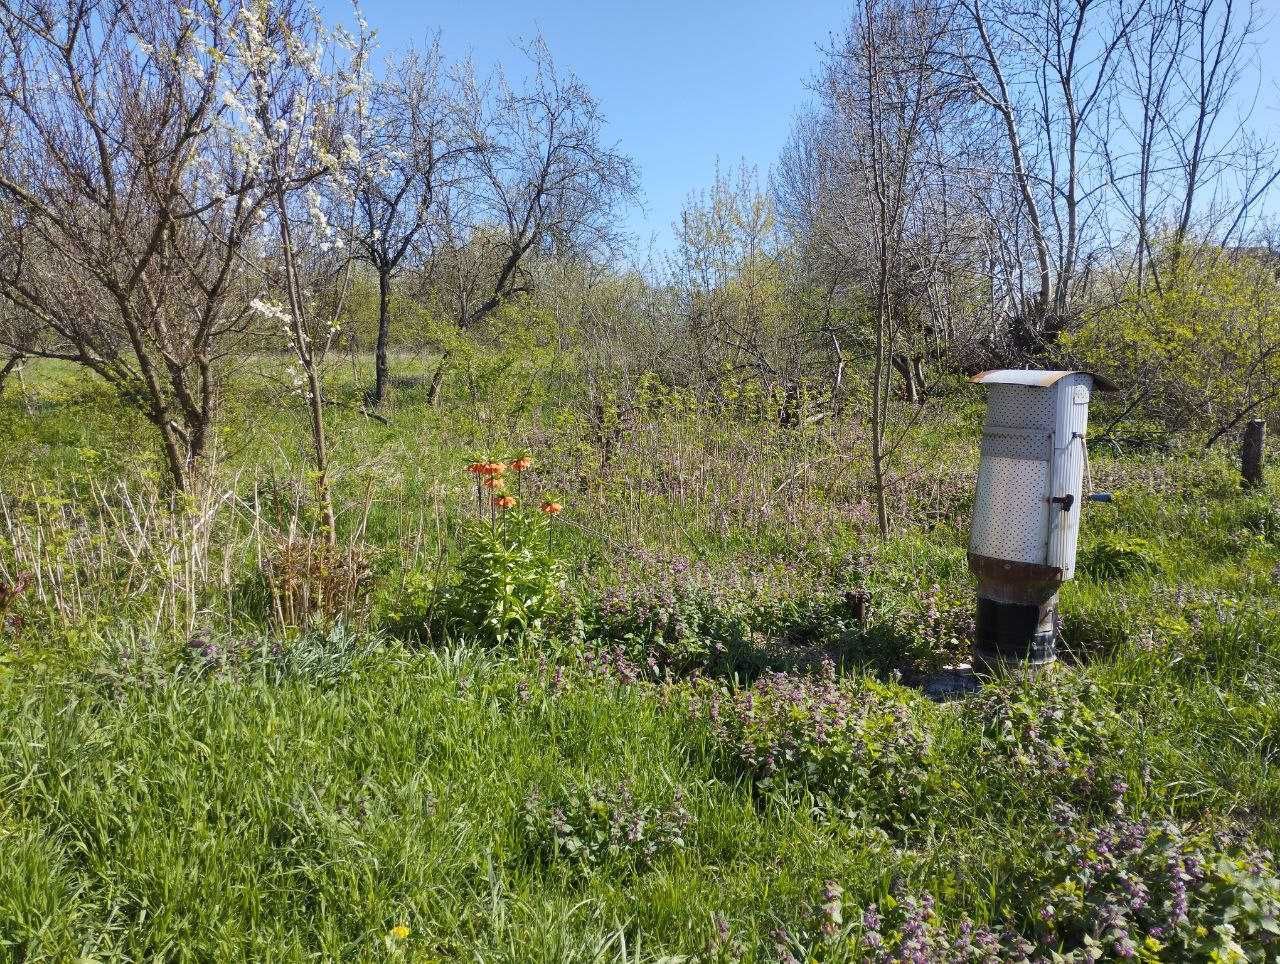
{"type": "Point", "coordinates": [1251, 450]}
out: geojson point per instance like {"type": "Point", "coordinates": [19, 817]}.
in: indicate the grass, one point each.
{"type": "Point", "coordinates": [182, 780]}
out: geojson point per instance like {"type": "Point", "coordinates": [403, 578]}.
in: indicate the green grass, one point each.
{"type": "Point", "coordinates": [300, 795]}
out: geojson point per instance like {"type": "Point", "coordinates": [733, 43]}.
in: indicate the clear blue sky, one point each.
{"type": "Point", "coordinates": [680, 83]}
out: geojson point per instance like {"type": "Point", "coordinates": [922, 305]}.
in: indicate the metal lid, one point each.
{"type": "Point", "coordinates": [1037, 378]}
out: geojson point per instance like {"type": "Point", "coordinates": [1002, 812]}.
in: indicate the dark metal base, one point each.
{"type": "Point", "coordinates": [1010, 634]}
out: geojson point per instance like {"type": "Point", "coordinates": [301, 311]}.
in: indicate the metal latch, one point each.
{"type": "Point", "coordinates": [1066, 501]}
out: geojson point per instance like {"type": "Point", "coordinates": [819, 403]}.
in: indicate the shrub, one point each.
{"type": "Point", "coordinates": [311, 582]}
{"type": "Point", "coordinates": [322, 658]}
{"type": "Point", "coordinates": [682, 617]}
{"type": "Point", "coordinates": [406, 610]}
{"type": "Point", "coordinates": [857, 743]}
{"type": "Point", "coordinates": [683, 625]}
{"type": "Point", "coordinates": [590, 826]}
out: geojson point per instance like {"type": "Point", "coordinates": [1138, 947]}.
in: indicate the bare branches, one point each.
{"type": "Point", "coordinates": [124, 207]}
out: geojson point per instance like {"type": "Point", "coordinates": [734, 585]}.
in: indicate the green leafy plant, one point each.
{"type": "Point", "coordinates": [858, 743]}
{"type": "Point", "coordinates": [1055, 731]}
{"type": "Point", "coordinates": [591, 825]}
{"type": "Point", "coordinates": [1119, 559]}
{"type": "Point", "coordinates": [509, 582]}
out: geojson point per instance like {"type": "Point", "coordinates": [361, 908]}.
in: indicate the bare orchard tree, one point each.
{"type": "Point", "coordinates": [128, 207]}
{"type": "Point", "coordinates": [892, 103]}
{"type": "Point", "coordinates": [305, 90]}
{"type": "Point", "coordinates": [410, 154]}
{"type": "Point", "coordinates": [1195, 171]}
{"type": "Point", "coordinates": [16, 330]}
{"type": "Point", "coordinates": [1125, 123]}
{"type": "Point", "coordinates": [1047, 72]}
{"type": "Point", "coordinates": [540, 178]}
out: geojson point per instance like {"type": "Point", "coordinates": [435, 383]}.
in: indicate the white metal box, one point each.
{"type": "Point", "coordinates": [1030, 476]}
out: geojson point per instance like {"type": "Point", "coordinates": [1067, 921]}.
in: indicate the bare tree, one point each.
{"type": "Point", "coordinates": [409, 157]}
{"type": "Point", "coordinates": [130, 206]}
{"type": "Point", "coordinates": [1047, 72]}
{"type": "Point", "coordinates": [541, 179]}
{"type": "Point", "coordinates": [888, 191]}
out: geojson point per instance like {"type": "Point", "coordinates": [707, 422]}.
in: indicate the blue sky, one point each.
{"type": "Point", "coordinates": [682, 83]}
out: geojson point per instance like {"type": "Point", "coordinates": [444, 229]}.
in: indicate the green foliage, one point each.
{"type": "Point", "coordinates": [593, 826]}
{"type": "Point", "coordinates": [1202, 348]}
{"type": "Point", "coordinates": [179, 778]}
{"type": "Point", "coordinates": [1118, 559]}
{"type": "Point", "coordinates": [1054, 730]}
{"type": "Point", "coordinates": [861, 745]}
{"type": "Point", "coordinates": [1161, 892]}
{"type": "Point", "coordinates": [509, 582]}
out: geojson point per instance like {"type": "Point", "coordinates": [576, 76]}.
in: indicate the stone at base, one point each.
{"type": "Point", "coordinates": [951, 682]}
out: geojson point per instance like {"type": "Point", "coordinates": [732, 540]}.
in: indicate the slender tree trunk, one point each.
{"type": "Point", "coordinates": [879, 411]}
{"type": "Point", "coordinates": [380, 347]}
{"type": "Point", "coordinates": [11, 364]}
{"type": "Point", "coordinates": [433, 392]}
{"type": "Point", "coordinates": [905, 367]}
{"type": "Point", "coordinates": [304, 350]}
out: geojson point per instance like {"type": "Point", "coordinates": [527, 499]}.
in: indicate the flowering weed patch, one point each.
{"type": "Point", "coordinates": [1159, 891]}
{"type": "Point", "coordinates": [859, 744]}
{"type": "Point", "coordinates": [594, 826]}
{"type": "Point", "coordinates": [1053, 731]}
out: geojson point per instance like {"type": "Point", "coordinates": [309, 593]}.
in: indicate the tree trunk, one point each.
{"type": "Point", "coordinates": [11, 364]}
{"type": "Point", "coordinates": [904, 367]}
{"type": "Point", "coordinates": [379, 392]}
{"type": "Point", "coordinates": [433, 392]}
{"type": "Point", "coordinates": [1251, 451]}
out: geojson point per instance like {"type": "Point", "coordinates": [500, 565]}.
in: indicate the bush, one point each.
{"type": "Point", "coordinates": [310, 582]}
{"type": "Point", "coordinates": [859, 744]}
{"type": "Point", "coordinates": [591, 826]}
{"type": "Point", "coordinates": [1124, 890]}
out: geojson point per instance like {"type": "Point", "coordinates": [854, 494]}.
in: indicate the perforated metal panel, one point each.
{"type": "Point", "coordinates": [1032, 454]}
{"type": "Point", "coordinates": [1010, 508]}
{"type": "Point", "coordinates": [1020, 406]}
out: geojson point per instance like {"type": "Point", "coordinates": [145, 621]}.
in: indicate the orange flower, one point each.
{"type": "Point", "coordinates": [494, 483]}
{"type": "Point", "coordinates": [494, 468]}
{"type": "Point", "coordinates": [476, 468]}
{"type": "Point", "coordinates": [506, 502]}
{"type": "Point", "coordinates": [552, 508]}
{"type": "Point", "coordinates": [522, 463]}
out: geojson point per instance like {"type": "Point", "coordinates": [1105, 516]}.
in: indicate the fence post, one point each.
{"type": "Point", "coordinates": [1251, 450]}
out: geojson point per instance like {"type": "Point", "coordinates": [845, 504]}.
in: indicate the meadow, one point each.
{"type": "Point", "coordinates": [678, 716]}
